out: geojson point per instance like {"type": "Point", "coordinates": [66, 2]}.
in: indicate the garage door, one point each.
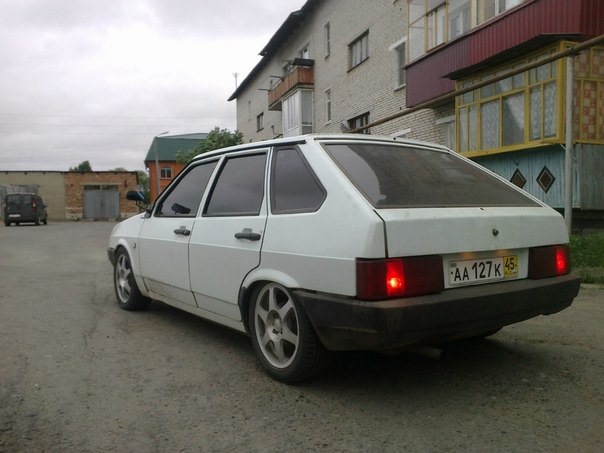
{"type": "Point", "coordinates": [101, 204]}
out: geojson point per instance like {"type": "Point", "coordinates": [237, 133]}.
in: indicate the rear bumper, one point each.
{"type": "Point", "coordinates": [349, 324]}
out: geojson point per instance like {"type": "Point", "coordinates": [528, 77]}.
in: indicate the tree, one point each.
{"type": "Point", "coordinates": [217, 138]}
{"type": "Point", "coordinates": [82, 167]}
{"type": "Point", "coordinates": [143, 182]}
{"type": "Point", "coordinates": [143, 185]}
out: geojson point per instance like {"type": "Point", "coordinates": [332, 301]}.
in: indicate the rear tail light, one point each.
{"type": "Point", "coordinates": [549, 261]}
{"type": "Point", "coordinates": [399, 277]}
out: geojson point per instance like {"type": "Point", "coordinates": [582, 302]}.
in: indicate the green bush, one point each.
{"type": "Point", "coordinates": [588, 257]}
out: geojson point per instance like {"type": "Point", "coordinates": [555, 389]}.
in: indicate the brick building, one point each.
{"type": "Point", "coordinates": [98, 195]}
{"type": "Point", "coordinates": [161, 159]}
{"type": "Point", "coordinates": [343, 64]}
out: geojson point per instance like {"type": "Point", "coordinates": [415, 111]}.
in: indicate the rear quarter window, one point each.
{"type": "Point", "coordinates": [398, 176]}
{"type": "Point", "coordinates": [294, 186]}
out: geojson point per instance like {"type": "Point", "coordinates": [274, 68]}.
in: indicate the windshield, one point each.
{"type": "Point", "coordinates": [397, 176]}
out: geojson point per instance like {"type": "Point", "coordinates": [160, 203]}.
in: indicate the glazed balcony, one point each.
{"type": "Point", "coordinates": [299, 77]}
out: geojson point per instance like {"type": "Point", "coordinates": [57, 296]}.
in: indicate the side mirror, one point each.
{"type": "Point", "coordinates": [134, 195]}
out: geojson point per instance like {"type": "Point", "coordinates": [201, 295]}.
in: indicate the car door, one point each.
{"type": "Point", "coordinates": [164, 239]}
{"type": "Point", "coordinates": [226, 241]}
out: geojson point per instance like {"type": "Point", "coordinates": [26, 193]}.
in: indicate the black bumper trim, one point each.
{"type": "Point", "coordinates": [349, 324]}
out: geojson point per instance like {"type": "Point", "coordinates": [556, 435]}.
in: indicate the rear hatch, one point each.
{"type": "Point", "coordinates": [435, 202]}
{"type": "Point", "coordinates": [477, 245]}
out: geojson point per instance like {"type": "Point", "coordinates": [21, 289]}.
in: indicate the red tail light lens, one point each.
{"type": "Point", "coordinates": [549, 261]}
{"type": "Point", "coordinates": [399, 277]}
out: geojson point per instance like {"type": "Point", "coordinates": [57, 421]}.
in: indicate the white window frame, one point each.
{"type": "Point", "coordinates": [328, 112]}
{"type": "Point", "coordinates": [398, 65]}
{"type": "Point", "coordinates": [358, 50]}
{"type": "Point", "coordinates": [327, 39]}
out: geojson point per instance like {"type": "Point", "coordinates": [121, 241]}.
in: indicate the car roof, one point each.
{"type": "Point", "coordinates": [320, 137]}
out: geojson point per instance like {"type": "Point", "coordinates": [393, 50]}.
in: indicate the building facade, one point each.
{"type": "Point", "coordinates": [98, 195]}
{"type": "Point", "coordinates": [344, 64]}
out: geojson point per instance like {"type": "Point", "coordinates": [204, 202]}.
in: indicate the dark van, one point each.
{"type": "Point", "coordinates": [24, 207]}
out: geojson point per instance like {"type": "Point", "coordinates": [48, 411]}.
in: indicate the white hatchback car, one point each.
{"type": "Point", "coordinates": [326, 243]}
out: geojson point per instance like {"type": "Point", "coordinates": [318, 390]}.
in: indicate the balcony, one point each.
{"type": "Point", "coordinates": [299, 77]}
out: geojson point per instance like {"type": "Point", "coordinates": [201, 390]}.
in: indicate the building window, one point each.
{"type": "Point", "coordinates": [304, 52]}
{"type": "Point", "coordinates": [100, 187]}
{"type": "Point", "coordinates": [328, 105]}
{"type": "Point", "coordinates": [459, 18]}
{"type": "Point", "coordinates": [359, 50]}
{"type": "Point", "coordinates": [448, 130]}
{"type": "Point", "coordinates": [588, 115]}
{"type": "Point", "coordinates": [511, 113]}
{"type": "Point", "coordinates": [400, 61]}
{"type": "Point", "coordinates": [165, 173]}
{"type": "Point", "coordinates": [297, 113]}
{"type": "Point", "coordinates": [358, 122]}
{"type": "Point", "coordinates": [433, 22]}
{"type": "Point", "coordinates": [436, 22]}
{"type": "Point", "coordinates": [260, 122]}
{"type": "Point", "coordinates": [327, 37]}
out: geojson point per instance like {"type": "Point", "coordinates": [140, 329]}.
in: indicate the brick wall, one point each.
{"type": "Point", "coordinates": [74, 190]}
{"type": "Point", "coordinates": [163, 182]}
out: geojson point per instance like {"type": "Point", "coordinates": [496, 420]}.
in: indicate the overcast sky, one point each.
{"type": "Point", "coordinates": [96, 80]}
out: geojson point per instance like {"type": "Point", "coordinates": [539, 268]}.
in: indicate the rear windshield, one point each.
{"type": "Point", "coordinates": [15, 199]}
{"type": "Point", "coordinates": [396, 176]}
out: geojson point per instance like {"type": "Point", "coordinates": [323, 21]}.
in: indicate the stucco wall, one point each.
{"type": "Point", "coordinates": [49, 186]}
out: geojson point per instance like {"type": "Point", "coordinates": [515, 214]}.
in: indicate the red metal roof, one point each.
{"type": "Point", "coordinates": [518, 30]}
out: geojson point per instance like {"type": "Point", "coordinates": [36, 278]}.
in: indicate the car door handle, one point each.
{"type": "Point", "coordinates": [182, 231]}
{"type": "Point", "coordinates": [247, 234]}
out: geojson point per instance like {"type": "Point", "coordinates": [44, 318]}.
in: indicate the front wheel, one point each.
{"type": "Point", "coordinates": [127, 293]}
{"type": "Point", "coordinates": [283, 337]}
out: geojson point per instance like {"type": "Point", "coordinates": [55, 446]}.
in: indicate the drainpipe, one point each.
{"type": "Point", "coordinates": [568, 156]}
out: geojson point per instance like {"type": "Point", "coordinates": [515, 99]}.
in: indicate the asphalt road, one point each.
{"type": "Point", "coordinates": [79, 374]}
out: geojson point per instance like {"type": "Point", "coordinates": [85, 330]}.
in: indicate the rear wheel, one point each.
{"type": "Point", "coordinates": [127, 293]}
{"type": "Point", "coordinates": [283, 337]}
{"type": "Point", "coordinates": [6, 223]}
{"type": "Point", "coordinates": [486, 334]}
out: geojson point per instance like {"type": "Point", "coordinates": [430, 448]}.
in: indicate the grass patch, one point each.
{"type": "Point", "coordinates": [588, 257]}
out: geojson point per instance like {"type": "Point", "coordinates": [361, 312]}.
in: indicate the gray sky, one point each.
{"type": "Point", "coordinates": [96, 80]}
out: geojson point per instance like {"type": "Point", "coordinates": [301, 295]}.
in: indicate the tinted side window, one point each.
{"type": "Point", "coordinates": [239, 189]}
{"type": "Point", "coordinates": [184, 198]}
{"type": "Point", "coordinates": [294, 188]}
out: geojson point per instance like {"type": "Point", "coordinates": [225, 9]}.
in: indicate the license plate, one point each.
{"type": "Point", "coordinates": [483, 270]}
{"type": "Point", "coordinates": [14, 215]}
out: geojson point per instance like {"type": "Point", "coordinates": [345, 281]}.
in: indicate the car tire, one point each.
{"type": "Point", "coordinates": [45, 221]}
{"type": "Point", "coordinates": [486, 334]}
{"type": "Point", "coordinates": [283, 337]}
{"type": "Point", "coordinates": [6, 223]}
{"type": "Point", "coordinates": [127, 294]}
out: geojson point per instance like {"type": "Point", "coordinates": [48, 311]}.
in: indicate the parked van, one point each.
{"type": "Point", "coordinates": [24, 207]}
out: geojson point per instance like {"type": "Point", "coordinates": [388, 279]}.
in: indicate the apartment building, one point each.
{"type": "Point", "coordinates": [344, 64]}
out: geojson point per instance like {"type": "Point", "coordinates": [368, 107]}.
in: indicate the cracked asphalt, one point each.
{"type": "Point", "coordinates": [79, 374]}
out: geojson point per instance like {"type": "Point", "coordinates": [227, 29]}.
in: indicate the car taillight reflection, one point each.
{"type": "Point", "coordinates": [399, 277]}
